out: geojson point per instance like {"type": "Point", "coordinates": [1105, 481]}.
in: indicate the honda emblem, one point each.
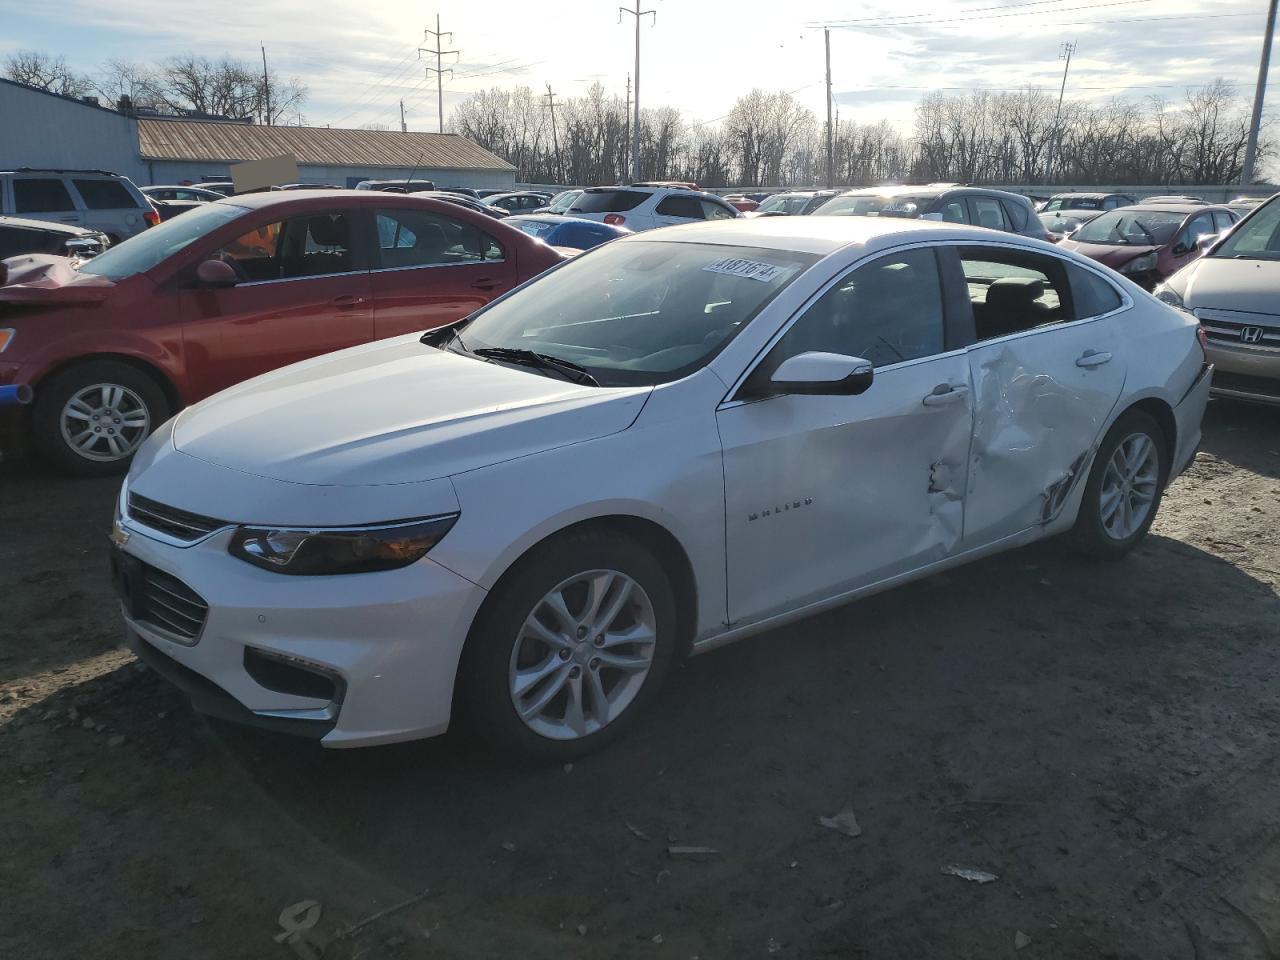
{"type": "Point", "coordinates": [1251, 334]}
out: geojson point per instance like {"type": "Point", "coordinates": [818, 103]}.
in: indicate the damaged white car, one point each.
{"type": "Point", "coordinates": [671, 442]}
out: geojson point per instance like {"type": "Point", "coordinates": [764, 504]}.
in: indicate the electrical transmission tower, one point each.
{"type": "Point", "coordinates": [438, 69]}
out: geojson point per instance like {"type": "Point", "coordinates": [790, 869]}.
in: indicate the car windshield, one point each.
{"type": "Point", "coordinates": [788, 203]}
{"type": "Point", "coordinates": [563, 201]}
{"type": "Point", "coordinates": [873, 205]}
{"type": "Point", "coordinates": [1064, 221]}
{"type": "Point", "coordinates": [640, 312]}
{"type": "Point", "coordinates": [143, 251]}
{"type": "Point", "coordinates": [1257, 238]}
{"type": "Point", "coordinates": [1128, 227]}
{"type": "Point", "coordinates": [1074, 203]}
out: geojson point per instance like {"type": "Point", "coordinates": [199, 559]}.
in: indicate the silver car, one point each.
{"type": "Point", "coordinates": [1234, 291]}
{"type": "Point", "coordinates": [979, 206]}
{"type": "Point", "coordinates": [94, 199]}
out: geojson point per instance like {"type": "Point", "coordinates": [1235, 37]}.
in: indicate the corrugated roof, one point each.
{"type": "Point", "coordinates": [313, 146]}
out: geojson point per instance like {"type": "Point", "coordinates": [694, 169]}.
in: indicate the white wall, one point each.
{"type": "Point", "coordinates": [175, 171]}
{"type": "Point", "coordinates": [40, 130]}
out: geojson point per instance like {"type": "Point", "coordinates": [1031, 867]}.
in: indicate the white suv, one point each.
{"type": "Point", "coordinates": [94, 199]}
{"type": "Point", "coordinates": [644, 208]}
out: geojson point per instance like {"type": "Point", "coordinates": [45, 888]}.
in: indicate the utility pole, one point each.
{"type": "Point", "coordinates": [1063, 54]}
{"type": "Point", "coordinates": [403, 127]}
{"type": "Point", "coordinates": [439, 67]}
{"type": "Point", "coordinates": [1255, 124]}
{"type": "Point", "coordinates": [635, 126]}
{"type": "Point", "coordinates": [626, 121]}
{"type": "Point", "coordinates": [831, 155]}
{"type": "Point", "coordinates": [555, 137]}
{"type": "Point", "coordinates": [266, 86]}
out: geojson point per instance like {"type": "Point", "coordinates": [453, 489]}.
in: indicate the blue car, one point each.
{"type": "Point", "coordinates": [576, 233]}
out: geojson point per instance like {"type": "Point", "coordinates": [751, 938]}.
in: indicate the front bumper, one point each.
{"type": "Point", "coordinates": [1244, 372]}
{"type": "Point", "coordinates": [389, 642]}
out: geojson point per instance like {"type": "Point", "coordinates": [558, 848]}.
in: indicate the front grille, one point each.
{"type": "Point", "coordinates": [1244, 383]}
{"type": "Point", "coordinates": [168, 603]}
{"type": "Point", "coordinates": [179, 524]}
{"type": "Point", "coordinates": [1228, 331]}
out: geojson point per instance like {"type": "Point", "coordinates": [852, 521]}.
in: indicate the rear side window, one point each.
{"type": "Point", "coordinates": [1016, 213]}
{"type": "Point", "coordinates": [988, 213]}
{"type": "Point", "coordinates": [675, 206]}
{"type": "Point", "coordinates": [1091, 295]}
{"type": "Point", "coordinates": [418, 238]}
{"type": "Point", "coordinates": [105, 195]}
{"type": "Point", "coordinates": [41, 195]}
{"type": "Point", "coordinates": [609, 201]}
{"type": "Point", "coordinates": [1012, 290]}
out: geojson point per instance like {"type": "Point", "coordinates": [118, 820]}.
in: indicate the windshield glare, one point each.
{"type": "Point", "coordinates": [790, 204]}
{"type": "Point", "coordinates": [1258, 238]}
{"type": "Point", "coordinates": [1144, 228]}
{"type": "Point", "coordinates": [872, 205]}
{"type": "Point", "coordinates": [146, 249]}
{"type": "Point", "coordinates": [639, 312]}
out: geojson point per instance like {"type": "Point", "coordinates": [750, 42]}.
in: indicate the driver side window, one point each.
{"type": "Point", "coordinates": [886, 311]}
{"type": "Point", "coordinates": [312, 245]}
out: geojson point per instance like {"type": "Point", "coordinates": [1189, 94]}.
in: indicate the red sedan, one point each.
{"type": "Point", "coordinates": [233, 289]}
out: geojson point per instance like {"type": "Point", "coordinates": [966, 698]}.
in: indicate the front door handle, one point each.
{"type": "Point", "coordinates": [347, 302]}
{"type": "Point", "coordinates": [945, 393]}
{"type": "Point", "coordinates": [1093, 358]}
{"type": "Point", "coordinates": [484, 284]}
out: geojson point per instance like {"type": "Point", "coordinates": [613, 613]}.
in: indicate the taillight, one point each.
{"type": "Point", "coordinates": [152, 218]}
{"type": "Point", "coordinates": [614, 219]}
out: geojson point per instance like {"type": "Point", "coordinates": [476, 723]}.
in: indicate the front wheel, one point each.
{"type": "Point", "coordinates": [90, 419]}
{"type": "Point", "coordinates": [572, 644]}
{"type": "Point", "coordinates": [1124, 488]}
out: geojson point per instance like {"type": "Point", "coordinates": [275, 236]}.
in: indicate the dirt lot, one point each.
{"type": "Point", "coordinates": [1102, 738]}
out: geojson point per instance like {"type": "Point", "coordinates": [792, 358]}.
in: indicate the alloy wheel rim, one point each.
{"type": "Point", "coordinates": [582, 654]}
{"type": "Point", "coordinates": [1129, 486]}
{"type": "Point", "coordinates": [104, 422]}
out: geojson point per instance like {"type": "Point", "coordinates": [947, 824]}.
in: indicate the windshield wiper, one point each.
{"type": "Point", "coordinates": [566, 368]}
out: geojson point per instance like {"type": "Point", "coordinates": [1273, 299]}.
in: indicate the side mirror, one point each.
{"type": "Point", "coordinates": [829, 374]}
{"type": "Point", "coordinates": [216, 274]}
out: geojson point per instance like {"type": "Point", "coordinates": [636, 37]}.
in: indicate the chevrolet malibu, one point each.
{"type": "Point", "coordinates": [677, 440]}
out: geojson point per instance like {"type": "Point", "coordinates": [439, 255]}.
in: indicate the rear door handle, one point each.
{"type": "Point", "coordinates": [484, 284]}
{"type": "Point", "coordinates": [1092, 358]}
{"type": "Point", "coordinates": [347, 302]}
{"type": "Point", "coordinates": [951, 394]}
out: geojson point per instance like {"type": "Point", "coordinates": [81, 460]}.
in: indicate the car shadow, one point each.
{"type": "Point", "coordinates": [1244, 434]}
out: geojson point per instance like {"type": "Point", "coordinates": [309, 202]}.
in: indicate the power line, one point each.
{"type": "Point", "coordinates": [904, 16]}
{"type": "Point", "coordinates": [990, 16]}
{"type": "Point", "coordinates": [371, 93]}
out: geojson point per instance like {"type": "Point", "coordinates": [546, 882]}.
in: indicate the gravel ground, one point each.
{"type": "Point", "coordinates": [1101, 738]}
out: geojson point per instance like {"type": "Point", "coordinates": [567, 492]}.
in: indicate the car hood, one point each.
{"type": "Point", "coordinates": [1112, 255]}
{"type": "Point", "coordinates": [395, 412]}
{"type": "Point", "coordinates": [49, 279]}
{"type": "Point", "coordinates": [1246, 286]}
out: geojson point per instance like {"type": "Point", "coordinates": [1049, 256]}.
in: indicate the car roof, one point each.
{"type": "Point", "coordinates": [1086, 196]}
{"type": "Point", "coordinates": [822, 235]}
{"type": "Point", "coordinates": [1170, 207]}
{"type": "Point", "coordinates": [45, 225]}
{"type": "Point", "coordinates": [320, 198]}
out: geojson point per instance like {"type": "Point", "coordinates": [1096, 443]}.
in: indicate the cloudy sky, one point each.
{"type": "Point", "coordinates": [360, 59]}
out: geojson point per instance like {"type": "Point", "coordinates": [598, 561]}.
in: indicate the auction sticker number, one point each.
{"type": "Point", "coordinates": [752, 269]}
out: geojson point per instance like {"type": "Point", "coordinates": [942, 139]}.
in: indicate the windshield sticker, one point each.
{"type": "Point", "coordinates": [752, 269]}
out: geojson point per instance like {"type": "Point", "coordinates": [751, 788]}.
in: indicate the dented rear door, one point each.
{"type": "Point", "coordinates": [1041, 400]}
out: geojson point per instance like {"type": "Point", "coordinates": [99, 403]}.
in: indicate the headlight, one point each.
{"type": "Point", "coordinates": [1166, 294]}
{"type": "Point", "coordinates": [1140, 264]}
{"type": "Point", "coordinates": [6, 334]}
{"type": "Point", "coordinates": [322, 551]}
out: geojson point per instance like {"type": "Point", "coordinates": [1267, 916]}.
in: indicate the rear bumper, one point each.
{"type": "Point", "coordinates": [1187, 415]}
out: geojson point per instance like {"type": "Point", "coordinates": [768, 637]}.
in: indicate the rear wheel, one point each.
{"type": "Point", "coordinates": [1124, 488]}
{"type": "Point", "coordinates": [570, 647]}
{"type": "Point", "coordinates": [90, 419]}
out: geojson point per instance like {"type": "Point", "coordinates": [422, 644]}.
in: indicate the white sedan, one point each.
{"type": "Point", "coordinates": [669, 443]}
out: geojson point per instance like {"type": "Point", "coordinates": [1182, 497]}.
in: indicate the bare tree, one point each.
{"type": "Point", "coordinates": [45, 72]}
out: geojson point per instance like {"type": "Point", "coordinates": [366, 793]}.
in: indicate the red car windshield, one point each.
{"type": "Point", "coordinates": [1128, 227]}
{"type": "Point", "coordinates": [140, 253]}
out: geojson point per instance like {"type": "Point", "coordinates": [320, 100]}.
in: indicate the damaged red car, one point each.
{"type": "Point", "coordinates": [112, 347]}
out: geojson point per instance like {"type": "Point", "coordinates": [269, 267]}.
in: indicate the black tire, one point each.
{"type": "Point", "coordinates": [1089, 534]}
{"type": "Point", "coordinates": [53, 395]}
{"type": "Point", "coordinates": [484, 697]}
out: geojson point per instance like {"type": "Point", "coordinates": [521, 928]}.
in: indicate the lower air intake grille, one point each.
{"type": "Point", "coordinates": [169, 604]}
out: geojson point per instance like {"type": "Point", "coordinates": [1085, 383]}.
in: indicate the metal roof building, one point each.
{"type": "Point", "coordinates": [176, 150]}
{"type": "Point", "coordinates": [46, 130]}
